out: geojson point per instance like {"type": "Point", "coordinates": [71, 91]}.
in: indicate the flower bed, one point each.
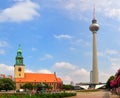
{"type": "Point", "coordinates": [115, 84]}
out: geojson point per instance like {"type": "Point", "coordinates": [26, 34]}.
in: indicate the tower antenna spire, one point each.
{"type": "Point", "coordinates": [94, 14]}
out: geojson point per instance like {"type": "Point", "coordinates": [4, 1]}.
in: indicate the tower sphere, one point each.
{"type": "Point", "coordinates": [94, 26]}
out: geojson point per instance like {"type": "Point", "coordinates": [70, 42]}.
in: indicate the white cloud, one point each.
{"type": "Point", "coordinates": [63, 36]}
{"type": "Point", "coordinates": [66, 78]}
{"type": "Point", "coordinates": [103, 76]}
{"type": "Point", "coordinates": [18, 0]}
{"type": "Point", "coordinates": [78, 8]}
{"type": "Point", "coordinates": [28, 71]}
{"type": "Point", "coordinates": [3, 44]}
{"type": "Point", "coordinates": [72, 48]}
{"type": "Point", "coordinates": [2, 51]}
{"type": "Point", "coordinates": [21, 11]}
{"type": "Point", "coordinates": [39, 71]}
{"type": "Point", "coordinates": [80, 42]}
{"type": "Point", "coordinates": [100, 54]}
{"type": "Point", "coordinates": [115, 66]}
{"type": "Point", "coordinates": [76, 74]}
{"type": "Point", "coordinates": [7, 70]}
{"type": "Point", "coordinates": [81, 72]}
{"type": "Point", "coordinates": [44, 71]}
{"type": "Point", "coordinates": [111, 52]}
{"type": "Point", "coordinates": [34, 49]}
{"type": "Point", "coordinates": [65, 65]}
{"type": "Point", "coordinates": [46, 57]}
{"type": "Point", "coordinates": [70, 72]}
{"type": "Point", "coordinates": [115, 59]}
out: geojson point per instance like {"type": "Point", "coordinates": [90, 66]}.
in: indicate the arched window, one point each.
{"type": "Point", "coordinates": [19, 69]}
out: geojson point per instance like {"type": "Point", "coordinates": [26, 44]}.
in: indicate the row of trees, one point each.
{"type": "Point", "coordinates": [44, 86]}
{"type": "Point", "coordinates": [8, 84]}
{"type": "Point", "coordinates": [40, 86]}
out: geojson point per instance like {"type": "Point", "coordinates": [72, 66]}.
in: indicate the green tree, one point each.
{"type": "Point", "coordinates": [7, 84]}
{"type": "Point", "coordinates": [1, 84]}
{"type": "Point", "coordinates": [47, 86]}
{"type": "Point", "coordinates": [27, 86]}
{"type": "Point", "coordinates": [68, 87]}
{"type": "Point", "coordinates": [108, 82]}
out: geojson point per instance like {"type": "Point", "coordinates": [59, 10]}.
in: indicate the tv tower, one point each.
{"type": "Point", "coordinates": [94, 27]}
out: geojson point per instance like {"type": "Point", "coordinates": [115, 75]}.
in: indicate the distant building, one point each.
{"type": "Point", "coordinates": [4, 76]}
{"type": "Point", "coordinates": [35, 78]}
{"type": "Point", "coordinates": [9, 76]}
{"type": "Point", "coordinates": [72, 83]}
{"type": "Point", "coordinates": [91, 76]}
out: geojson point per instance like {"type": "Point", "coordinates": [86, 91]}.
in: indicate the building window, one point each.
{"type": "Point", "coordinates": [19, 74]}
{"type": "Point", "coordinates": [19, 69]}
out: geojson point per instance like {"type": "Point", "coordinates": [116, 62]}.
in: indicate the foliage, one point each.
{"type": "Point", "coordinates": [43, 86]}
{"type": "Point", "coordinates": [27, 86]}
{"type": "Point", "coordinates": [68, 87]}
{"type": "Point", "coordinates": [39, 87]}
{"type": "Point", "coordinates": [108, 82]}
{"type": "Point", "coordinates": [1, 84]}
{"type": "Point", "coordinates": [47, 86]}
{"type": "Point", "coordinates": [53, 95]}
{"type": "Point", "coordinates": [7, 84]}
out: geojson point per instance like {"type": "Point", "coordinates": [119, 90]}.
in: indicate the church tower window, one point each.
{"type": "Point", "coordinates": [19, 69]}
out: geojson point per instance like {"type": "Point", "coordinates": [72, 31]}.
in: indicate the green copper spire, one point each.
{"type": "Point", "coordinates": [19, 57]}
{"type": "Point", "coordinates": [19, 49]}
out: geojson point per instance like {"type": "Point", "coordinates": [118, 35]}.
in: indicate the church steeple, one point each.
{"type": "Point", "coordinates": [19, 66]}
{"type": "Point", "coordinates": [19, 57]}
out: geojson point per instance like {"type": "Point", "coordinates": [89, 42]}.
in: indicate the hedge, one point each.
{"type": "Point", "coordinates": [48, 95]}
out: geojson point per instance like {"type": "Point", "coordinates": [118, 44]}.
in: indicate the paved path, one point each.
{"type": "Point", "coordinates": [98, 94]}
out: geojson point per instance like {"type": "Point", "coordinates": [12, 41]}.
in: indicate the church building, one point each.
{"type": "Point", "coordinates": [21, 77]}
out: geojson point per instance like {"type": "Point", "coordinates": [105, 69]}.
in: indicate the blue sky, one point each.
{"type": "Point", "coordinates": [55, 37]}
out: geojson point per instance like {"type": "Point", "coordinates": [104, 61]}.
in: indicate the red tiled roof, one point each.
{"type": "Point", "coordinates": [59, 80]}
{"type": "Point", "coordinates": [38, 77]}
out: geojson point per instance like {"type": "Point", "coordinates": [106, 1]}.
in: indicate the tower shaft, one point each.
{"type": "Point", "coordinates": [95, 62]}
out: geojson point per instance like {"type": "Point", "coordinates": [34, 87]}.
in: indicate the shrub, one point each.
{"type": "Point", "coordinates": [54, 95]}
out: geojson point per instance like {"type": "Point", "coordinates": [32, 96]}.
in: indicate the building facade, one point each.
{"type": "Point", "coordinates": [21, 77]}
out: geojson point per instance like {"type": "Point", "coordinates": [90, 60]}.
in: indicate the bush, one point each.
{"type": "Point", "coordinates": [54, 95]}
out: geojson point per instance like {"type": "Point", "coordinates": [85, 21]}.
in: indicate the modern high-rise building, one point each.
{"type": "Point", "coordinates": [94, 27]}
